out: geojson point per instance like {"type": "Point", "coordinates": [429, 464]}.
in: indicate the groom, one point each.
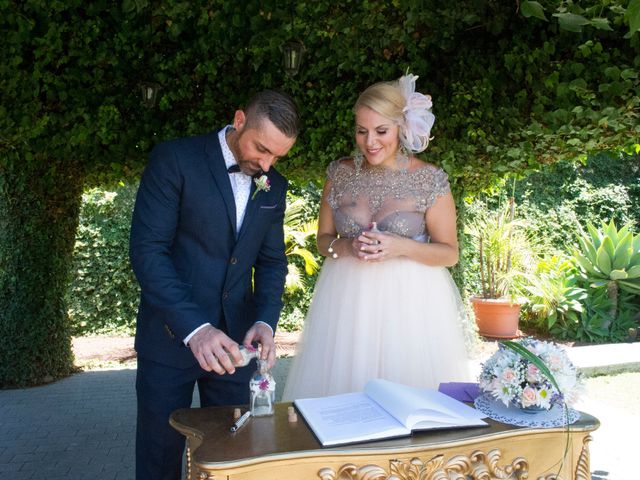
{"type": "Point", "coordinates": [207, 247]}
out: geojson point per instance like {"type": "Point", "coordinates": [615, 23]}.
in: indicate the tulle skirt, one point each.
{"type": "Point", "coordinates": [398, 320]}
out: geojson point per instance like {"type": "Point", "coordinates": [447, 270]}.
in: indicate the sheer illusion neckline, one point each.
{"type": "Point", "coordinates": [396, 199]}
{"type": "Point", "coordinates": [387, 168]}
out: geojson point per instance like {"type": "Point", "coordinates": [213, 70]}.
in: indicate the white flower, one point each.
{"type": "Point", "coordinates": [262, 184]}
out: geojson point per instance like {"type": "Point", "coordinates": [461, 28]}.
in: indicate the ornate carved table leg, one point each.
{"type": "Point", "coordinates": [583, 467]}
{"type": "Point", "coordinates": [477, 466]}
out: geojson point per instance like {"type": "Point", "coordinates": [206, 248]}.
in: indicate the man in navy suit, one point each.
{"type": "Point", "coordinates": [207, 247]}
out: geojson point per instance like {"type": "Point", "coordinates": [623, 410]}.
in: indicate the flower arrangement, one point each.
{"type": "Point", "coordinates": [262, 184]}
{"type": "Point", "coordinates": [531, 374]}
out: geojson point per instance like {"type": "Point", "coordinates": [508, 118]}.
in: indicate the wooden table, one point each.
{"type": "Point", "coordinates": [268, 448]}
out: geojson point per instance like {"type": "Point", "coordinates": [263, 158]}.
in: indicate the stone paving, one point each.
{"type": "Point", "coordinates": [83, 427]}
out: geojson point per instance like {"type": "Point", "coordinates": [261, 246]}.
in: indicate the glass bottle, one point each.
{"type": "Point", "coordinates": [262, 391]}
{"type": "Point", "coordinates": [247, 353]}
{"type": "Point", "coordinates": [374, 228]}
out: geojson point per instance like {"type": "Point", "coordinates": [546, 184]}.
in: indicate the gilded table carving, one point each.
{"type": "Point", "coordinates": [477, 466]}
{"type": "Point", "coordinates": [273, 448]}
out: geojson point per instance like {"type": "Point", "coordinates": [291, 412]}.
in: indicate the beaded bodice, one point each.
{"type": "Point", "coordinates": [396, 200]}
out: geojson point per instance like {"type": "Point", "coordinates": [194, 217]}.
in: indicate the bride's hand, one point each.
{"type": "Point", "coordinates": [356, 245]}
{"type": "Point", "coordinates": [379, 246]}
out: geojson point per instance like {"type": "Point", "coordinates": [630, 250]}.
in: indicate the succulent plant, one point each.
{"type": "Point", "coordinates": [610, 258]}
{"type": "Point", "coordinates": [610, 255]}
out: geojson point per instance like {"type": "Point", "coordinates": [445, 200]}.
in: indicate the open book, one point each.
{"type": "Point", "coordinates": [384, 410]}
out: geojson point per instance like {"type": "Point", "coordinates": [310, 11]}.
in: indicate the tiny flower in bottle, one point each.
{"type": "Point", "coordinates": [262, 391]}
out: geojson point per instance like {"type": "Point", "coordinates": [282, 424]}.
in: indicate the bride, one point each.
{"type": "Point", "coordinates": [384, 305]}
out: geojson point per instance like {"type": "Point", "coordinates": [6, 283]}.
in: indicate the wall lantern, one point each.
{"type": "Point", "coordinates": [292, 56]}
{"type": "Point", "coordinates": [149, 92]}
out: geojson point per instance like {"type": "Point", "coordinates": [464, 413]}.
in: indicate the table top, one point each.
{"type": "Point", "coordinates": [274, 436]}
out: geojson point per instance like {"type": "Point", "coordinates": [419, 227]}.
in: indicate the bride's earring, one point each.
{"type": "Point", "coordinates": [358, 158]}
{"type": "Point", "coordinates": [402, 158]}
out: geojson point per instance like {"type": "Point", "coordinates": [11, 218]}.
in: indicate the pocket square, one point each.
{"type": "Point", "coordinates": [269, 207]}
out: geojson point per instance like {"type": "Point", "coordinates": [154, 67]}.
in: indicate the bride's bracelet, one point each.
{"type": "Point", "coordinates": [331, 251]}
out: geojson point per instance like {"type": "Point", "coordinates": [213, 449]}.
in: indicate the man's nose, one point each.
{"type": "Point", "coordinates": [266, 163]}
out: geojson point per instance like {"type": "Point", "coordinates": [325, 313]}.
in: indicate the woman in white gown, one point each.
{"type": "Point", "coordinates": [384, 305]}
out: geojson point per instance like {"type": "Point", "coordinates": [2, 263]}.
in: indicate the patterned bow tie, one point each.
{"type": "Point", "coordinates": [235, 168]}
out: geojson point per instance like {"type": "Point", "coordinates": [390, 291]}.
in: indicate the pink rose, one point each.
{"type": "Point", "coordinates": [533, 373]}
{"type": "Point", "coordinates": [529, 397]}
{"type": "Point", "coordinates": [508, 375]}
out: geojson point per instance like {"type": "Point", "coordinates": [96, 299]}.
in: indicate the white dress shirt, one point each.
{"type": "Point", "coordinates": [240, 182]}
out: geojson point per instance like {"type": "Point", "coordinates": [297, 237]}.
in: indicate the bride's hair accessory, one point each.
{"type": "Point", "coordinates": [415, 130]}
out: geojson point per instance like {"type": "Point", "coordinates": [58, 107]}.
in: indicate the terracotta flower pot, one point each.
{"type": "Point", "coordinates": [497, 318]}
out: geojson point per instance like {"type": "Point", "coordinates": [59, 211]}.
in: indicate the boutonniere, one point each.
{"type": "Point", "coordinates": [262, 184]}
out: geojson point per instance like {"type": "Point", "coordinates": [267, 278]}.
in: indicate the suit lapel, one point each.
{"type": "Point", "coordinates": [252, 205]}
{"type": "Point", "coordinates": [221, 177]}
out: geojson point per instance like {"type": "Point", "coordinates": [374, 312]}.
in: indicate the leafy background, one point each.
{"type": "Point", "coordinates": [516, 85]}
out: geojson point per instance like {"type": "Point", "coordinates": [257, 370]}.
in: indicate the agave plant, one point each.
{"type": "Point", "coordinates": [610, 258]}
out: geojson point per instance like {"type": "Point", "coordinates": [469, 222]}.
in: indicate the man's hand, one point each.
{"type": "Point", "coordinates": [210, 346]}
{"type": "Point", "coordinates": [262, 334]}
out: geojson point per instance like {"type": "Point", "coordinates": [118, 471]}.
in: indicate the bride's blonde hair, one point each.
{"type": "Point", "coordinates": [399, 102]}
{"type": "Point", "coordinates": [384, 98]}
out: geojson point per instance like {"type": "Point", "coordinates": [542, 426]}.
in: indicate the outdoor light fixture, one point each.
{"type": "Point", "coordinates": [149, 91]}
{"type": "Point", "coordinates": [292, 56]}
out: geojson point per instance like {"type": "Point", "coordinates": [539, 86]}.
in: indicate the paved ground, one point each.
{"type": "Point", "coordinates": [82, 427]}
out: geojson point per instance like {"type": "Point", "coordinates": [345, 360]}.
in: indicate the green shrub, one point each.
{"type": "Point", "coordinates": [103, 295]}
{"type": "Point", "coordinates": [554, 295]}
{"type": "Point", "coordinates": [563, 196]}
{"type": "Point", "coordinates": [303, 204]}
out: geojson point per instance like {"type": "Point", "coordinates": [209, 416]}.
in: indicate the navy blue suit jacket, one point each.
{"type": "Point", "coordinates": [192, 265]}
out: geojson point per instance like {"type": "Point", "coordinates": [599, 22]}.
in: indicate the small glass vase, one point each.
{"type": "Point", "coordinates": [262, 391]}
{"type": "Point", "coordinates": [531, 409]}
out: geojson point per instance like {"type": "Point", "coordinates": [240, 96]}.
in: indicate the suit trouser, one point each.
{"type": "Point", "coordinates": [161, 389]}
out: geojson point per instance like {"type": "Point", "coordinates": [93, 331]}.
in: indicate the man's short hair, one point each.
{"type": "Point", "coordinates": [276, 106]}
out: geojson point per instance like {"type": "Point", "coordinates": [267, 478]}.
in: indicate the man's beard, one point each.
{"type": "Point", "coordinates": [246, 166]}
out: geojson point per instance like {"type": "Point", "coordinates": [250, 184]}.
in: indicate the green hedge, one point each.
{"type": "Point", "coordinates": [36, 236]}
{"type": "Point", "coordinates": [564, 197]}
{"type": "Point", "coordinates": [103, 295]}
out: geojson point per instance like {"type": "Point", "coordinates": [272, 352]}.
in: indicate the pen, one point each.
{"type": "Point", "coordinates": [241, 421]}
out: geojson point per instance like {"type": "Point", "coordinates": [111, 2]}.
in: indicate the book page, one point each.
{"type": "Point", "coordinates": [348, 418]}
{"type": "Point", "coordinates": [421, 408]}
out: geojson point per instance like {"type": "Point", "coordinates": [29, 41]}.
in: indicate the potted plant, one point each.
{"type": "Point", "coordinates": [504, 254]}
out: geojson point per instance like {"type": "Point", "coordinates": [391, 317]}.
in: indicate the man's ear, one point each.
{"type": "Point", "coordinates": [239, 120]}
